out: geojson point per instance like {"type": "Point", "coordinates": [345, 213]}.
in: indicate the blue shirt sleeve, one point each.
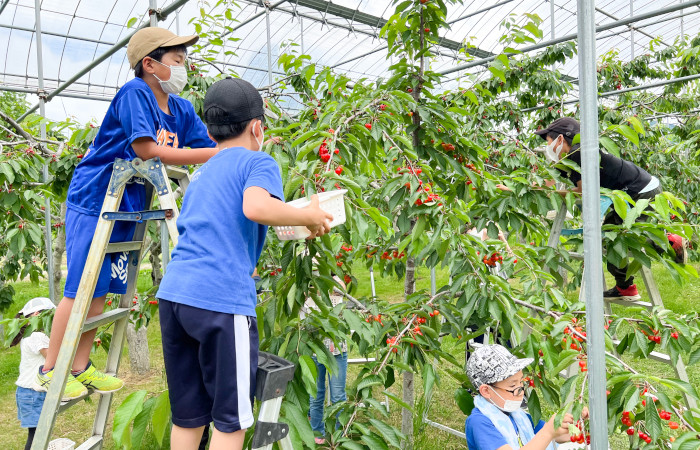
{"type": "Point", "coordinates": [482, 433]}
{"type": "Point", "coordinates": [265, 173]}
{"type": "Point", "coordinates": [136, 115]}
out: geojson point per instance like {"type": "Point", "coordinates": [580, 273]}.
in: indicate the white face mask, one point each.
{"type": "Point", "coordinates": [552, 153]}
{"type": "Point", "coordinates": [508, 405]}
{"type": "Point", "coordinates": [177, 81]}
{"type": "Point", "coordinates": [261, 141]}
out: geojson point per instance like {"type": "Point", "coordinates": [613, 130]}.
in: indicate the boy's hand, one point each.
{"type": "Point", "coordinates": [319, 220]}
{"type": "Point", "coordinates": [561, 434]}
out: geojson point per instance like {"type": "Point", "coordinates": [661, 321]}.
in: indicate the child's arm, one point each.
{"type": "Point", "coordinates": [146, 148]}
{"type": "Point", "coordinates": [259, 206]}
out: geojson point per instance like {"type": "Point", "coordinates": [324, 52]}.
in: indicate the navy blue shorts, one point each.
{"type": "Point", "coordinates": [211, 360]}
{"type": "Point", "coordinates": [29, 403]}
{"type": "Point", "coordinates": [80, 229]}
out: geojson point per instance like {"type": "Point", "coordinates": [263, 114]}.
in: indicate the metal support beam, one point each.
{"type": "Point", "coordinates": [50, 33]}
{"type": "Point", "coordinates": [593, 252]}
{"type": "Point", "coordinates": [573, 36]}
{"type": "Point", "coordinates": [4, 4]}
{"type": "Point", "coordinates": [622, 91]}
{"type": "Point", "coordinates": [366, 19]}
{"type": "Point", "coordinates": [153, 6]}
{"type": "Point", "coordinates": [115, 48]}
{"type": "Point", "coordinates": [45, 170]}
{"type": "Point", "coordinates": [482, 10]}
{"type": "Point", "coordinates": [632, 28]}
{"type": "Point", "coordinates": [632, 31]}
{"type": "Point", "coordinates": [269, 46]}
{"type": "Point", "coordinates": [62, 94]}
{"type": "Point", "coordinates": [551, 19]}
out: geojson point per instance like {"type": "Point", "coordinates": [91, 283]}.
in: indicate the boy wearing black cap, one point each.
{"type": "Point", "coordinates": [145, 119]}
{"type": "Point", "coordinates": [207, 307]}
{"type": "Point", "coordinates": [615, 174]}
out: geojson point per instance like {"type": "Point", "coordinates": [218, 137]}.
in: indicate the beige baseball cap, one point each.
{"type": "Point", "coordinates": [148, 39]}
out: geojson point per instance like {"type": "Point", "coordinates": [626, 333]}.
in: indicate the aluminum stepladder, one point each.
{"type": "Point", "coordinates": [649, 282]}
{"type": "Point", "coordinates": [154, 172]}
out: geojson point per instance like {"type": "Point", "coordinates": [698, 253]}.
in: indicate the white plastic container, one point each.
{"type": "Point", "coordinates": [331, 202]}
{"type": "Point", "coordinates": [61, 444]}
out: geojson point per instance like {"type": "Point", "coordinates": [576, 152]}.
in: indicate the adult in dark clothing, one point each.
{"type": "Point", "coordinates": [615, 174]}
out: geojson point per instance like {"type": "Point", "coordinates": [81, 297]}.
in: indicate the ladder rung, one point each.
{"type": "Point", "coordinates": [116, 247]}
{"type": "Point", "coordinates": [93, 442]}
{"type": "Point", "coordinates": [629, 303]}
{"type": "Point", "coordinates": [101, 319]}
{"type": "Point", "coordinates": [176, 173]}
{"type": "Point", "coordinates": [657, 356]}
{"type": "Point", "coordinates": [360, 360]}
{"type": "Point", "coordinates": [65, 405]}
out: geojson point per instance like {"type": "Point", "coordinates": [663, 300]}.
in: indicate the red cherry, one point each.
{"type": "Point", "coordinates": [674, 335]}
{"type": "Point", "coordinates": [630, 431]}
{"type": "Point", "coordinates": [339, 170]}
{"type": "Point", "coordinates": [427, 30]}
{"type": "Point", "coordinates": [673, 425]}
{"type": "Point", "coordinates": [325, 157]}
{"type": "Point", "coordinates": [336, 151]}
{"type": "Point", "coordinates": [368, 126]}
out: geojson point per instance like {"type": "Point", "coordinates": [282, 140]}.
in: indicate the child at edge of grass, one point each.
{"type": "Point", "coordinates": [32, 355]}
{"type": "Point", "coordinates": [207, 296]}
{"type": "Point", "coordinates": [497, 421]}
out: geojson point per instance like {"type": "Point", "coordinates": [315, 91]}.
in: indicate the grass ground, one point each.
{"type": "Point", "coordinates": [76, 424]}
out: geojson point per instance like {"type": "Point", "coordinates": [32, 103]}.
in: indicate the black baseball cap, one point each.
{"type": "Point", "coordinates": [566, 126]}
{"type": "Point", "coordinates": [230, 101]}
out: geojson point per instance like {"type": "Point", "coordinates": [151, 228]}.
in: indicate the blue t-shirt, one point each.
{"type": "Point", "coordinates": [133, 113]}
{"type": "Point", "coordinates": [482, 434]}
{"type": "Point", "coordinates": [219, 246]}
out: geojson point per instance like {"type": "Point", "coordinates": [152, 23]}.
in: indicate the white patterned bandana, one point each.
{"type": "Point", "coordinates": [493, 363]}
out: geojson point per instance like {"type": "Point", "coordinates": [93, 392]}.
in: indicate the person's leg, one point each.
{"type": "Point", "coordinates": [316, 403]}
{"type": "Point", "coordinates": [205, 438]}
{"type": "Point", "coordinates": [227, 441]}
{"type": "Point", "coordinates": [30, 438]}
{"type": "Point", "coordinates": [185, 438]}
{"type": "Point", "coordinates": [619, 273]}
{"type": "Point", "coordinates": [190, 402]}
{"type": "Point", "coordinates": [336, 383]}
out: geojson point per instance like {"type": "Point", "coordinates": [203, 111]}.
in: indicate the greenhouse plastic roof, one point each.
{"type": "Point", "coordinates": [341, 34]}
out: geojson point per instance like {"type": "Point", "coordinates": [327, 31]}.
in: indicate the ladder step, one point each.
{"type": "Point", "coordinates": [176, 172]}
{"type": "Point", "coordinates": [65, 405]}
{"type": "Point", "coordinates": [360, 360]}
{"type": "Point", "coordinates": [656, 356]}
{"type": "Point", "coordinates": [629, 303]}
{"type": "Point", "coordinates": [93, 442]}
{"type": "Point", "coordinates": [116, 247]}
{"type": "Point", "coordinates": [102, 319]}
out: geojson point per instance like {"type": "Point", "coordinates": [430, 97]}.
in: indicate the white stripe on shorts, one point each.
{"type": "Point", "coordinates": [242, 336]}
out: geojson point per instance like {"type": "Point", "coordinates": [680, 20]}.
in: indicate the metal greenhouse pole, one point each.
{"type": "Point", "coordinates": [45, 170]}
{"type": "Point", "coordinates": [592, 248]}
{"type": "Point", "coordinates": [115, 48]}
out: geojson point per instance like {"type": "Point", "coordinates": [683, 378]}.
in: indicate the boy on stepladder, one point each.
{"type": "Point", "coordinates": [146, 119]}
{"type": "Point", "coordinates": [207, 296]}
{"type": "Point", "coordinates": [33, 351]}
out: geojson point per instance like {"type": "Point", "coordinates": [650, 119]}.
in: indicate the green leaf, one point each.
{"type": "Point", "coordinates": [610, 145]}
{"type": "Point", "coordinates": [371, 380]}
{"type": "Point", "coordinates": [141, 423]}
{"type": "Point", "coordinates": [533, 405]}
{"type": "Point", "coordinates": [374, 441]}
{"type": "Point", "coordinates": [161, 417]}
{"type": "Point", "coordinates": [694, 357]}
{"type": "Point", "coordinates": [652, 420]}
{"type": "Point", "coordinates": [387, 431]}
{"type": "Point", "coordinates": [497, 73]}
{"type": "Point", "coordinates": [300, 422]}
{"type": "Point", "coordinates": [626, 132]}
{"type": "Point", "coordinates": [130, 23]}
{"type": "Point", "coordinates": [464, 400]}
{"type": "Point", "coordinates": [125, 413]}
{"type": "Point", "coordinates": [637, 125]}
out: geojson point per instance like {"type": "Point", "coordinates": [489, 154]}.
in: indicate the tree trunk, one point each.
{"type": "Point", "coordinates": [154, 251]}
{"type": "Point", "coordinates": [408, 388]}
{"type": "Point", "coordinates": [59, 248]}
{"type": "Point", "coordinates": [138, 349]}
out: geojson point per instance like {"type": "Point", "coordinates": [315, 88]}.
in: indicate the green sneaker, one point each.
{"type": "Point", "coordinates": [74, 389]}
{"type": "Point", "coordinates": [98, 381]}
